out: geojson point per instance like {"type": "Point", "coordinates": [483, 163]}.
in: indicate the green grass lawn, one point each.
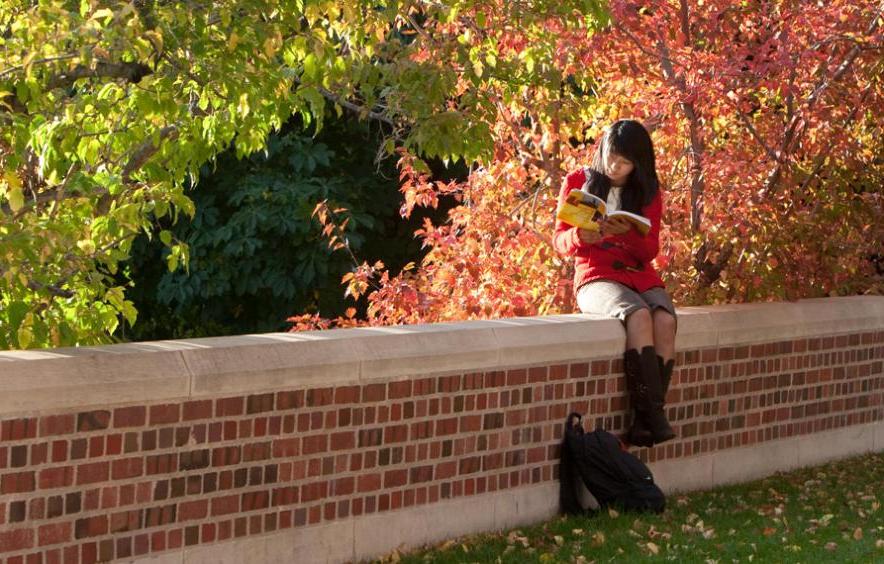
{"type": "Point", "coordinates": [829, 513]}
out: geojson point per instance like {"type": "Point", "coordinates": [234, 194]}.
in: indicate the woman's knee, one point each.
{"type": "Point", "coordinates": [639, 318]}
{"type": "Point", "coordinates": [664, 321]}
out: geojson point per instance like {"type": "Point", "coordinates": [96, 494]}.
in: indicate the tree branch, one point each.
{"type": "Point", "coordinates": [131, 72]}
{"type": "Point", "coordinates": [360, 110]}
{"type": "Point", "coordinates": [147, 149]}
{"type": "Point", "coordinates": [17, 68]}
{"type": "Point", "coordinates": [770, 152]}
{"type": "Point", "coordinates": [791, 137]}
{"type": "Point", "coordinates": [698, 184]}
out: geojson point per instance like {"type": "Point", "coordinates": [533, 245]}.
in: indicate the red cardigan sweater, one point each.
{"type": "Point", "coordinates": [622, 258]}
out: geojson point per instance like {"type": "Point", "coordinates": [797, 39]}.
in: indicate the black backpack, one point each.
{"type": "Point", "coordinates": [615, 477]}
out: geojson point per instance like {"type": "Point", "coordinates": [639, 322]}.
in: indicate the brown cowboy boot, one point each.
{"type": "Point", "coordinates": [639, 434]}
{"type": "Point", "coordinates": [643, 378]}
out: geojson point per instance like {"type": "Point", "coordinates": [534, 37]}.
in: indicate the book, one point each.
{"type": "Point", "coordinates": [584, 210]}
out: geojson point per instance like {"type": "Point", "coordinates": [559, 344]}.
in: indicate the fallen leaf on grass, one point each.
{"type": "Point", "coordinates": [831, 546]}
{"type": "Point", "coordinates": [577, 532]}
{"type": "Point", "coordinates": [598, 538]}
{"type": "Point", "coordinates": [559, 540]}
{"type": "Point", "coordinates": [655, 550]}
{"type": "Point", "coordinates": [613, 513]}
{"type": "Point", "coordinates": [858, 534]}
{"type": "Point", "coordinates": [768, 531]}
{"type": "Point", "coordinates": [446, 545]}
{"type": "Point", "coordinates": [879, 543]}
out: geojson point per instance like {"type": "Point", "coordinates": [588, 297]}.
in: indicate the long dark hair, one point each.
{"type": "Point", "coordinates": [630, 140]}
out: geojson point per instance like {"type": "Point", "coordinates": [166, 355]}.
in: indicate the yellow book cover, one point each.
{"type": "Point", "coordinates": [584, 210]}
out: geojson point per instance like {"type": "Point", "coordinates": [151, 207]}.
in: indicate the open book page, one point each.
{"type": "Point", "coordinates": [640, 222]}
{"type": "Point", "coordinates": [585, 210]}
{"type": "Point", "coordinates": [582, 209]}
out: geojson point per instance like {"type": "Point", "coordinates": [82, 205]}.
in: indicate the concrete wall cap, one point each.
{"type": "Point", "coordinates": [164, 370]}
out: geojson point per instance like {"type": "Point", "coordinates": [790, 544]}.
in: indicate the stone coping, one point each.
{"type": "Point", "coordinates": [65, 378]}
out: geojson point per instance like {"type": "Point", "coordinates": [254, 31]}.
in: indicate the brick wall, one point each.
{"type": "Point", "coordinates": [256, 449]}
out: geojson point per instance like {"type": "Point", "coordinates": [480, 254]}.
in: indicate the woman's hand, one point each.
{"type": "Point", "coordinates": [589, 237]}
{"type": "Point", "coordinates": [615, 226]}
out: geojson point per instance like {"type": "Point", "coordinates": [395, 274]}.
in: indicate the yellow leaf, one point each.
{"type": "Point", "coordinates": [598, 538]}
{"type": "Point", "coordinates": [25, 334]}
{"type": "Point", "coordinates": [103, 13]}
{"type": "Point", "coordinates": [232, 41]}
{"type": "Point", "coordinates": [13, 191]}
{"type": "Point", "coordinates": [559, 540]}
{"type": "Point", "coordinates": [270, 46]}
{"type": "Point", "coordinates": [156, 39]}
{"type": "Point", "coordinates": [613, 513]}
{"type": "Point", "coordinates": [87, 246]}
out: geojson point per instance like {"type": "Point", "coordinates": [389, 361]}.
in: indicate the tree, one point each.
{"type": "Point", "coordinates": [110, 110]}
{"type": "Point", "coordinates": [255, 244]}
{"type": "Point", "coordinates": [766, 121]}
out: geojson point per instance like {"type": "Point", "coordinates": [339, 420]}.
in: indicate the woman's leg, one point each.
{"type": "Point", "coordinates": [664, 334]}
{"type": "Point", "coordinates": [640, 329]}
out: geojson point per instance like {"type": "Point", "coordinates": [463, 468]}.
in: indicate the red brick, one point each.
{"type": "Point", "coordinates": [196, 509]}
{"type": "Point", "coordinates": [537, 374]}
{"type": "Point", "coordinates": [93, 472]}
{"type": "Point", "coordinates": [259, 403]}
{"type": "Point", "coordinates": [56, 425]}
{"type": "Point", "coordinates": [290, 400]}
{"type": "Point", "coordinates": [470, 423]}
{"type": "Point", "coordinates": [374, 392]}
{"type": "Point", "coordinates": [368, 482]}
{"type": "Point", "coordinates": [347, 394]}
{"type": "Point", "coordinates": [91, 526]}
{"type": "Point", "coordinates": [395, 434]}
{"type": "Point", "coordinates": [19, 539]}
{"type": "Point", "coordinates": [135, 416]}
{"type": "Point", "coordinates": [18, 429]}
{"type": "Point", "coordinates": [343, 440]}
{"type": "Point", "coordinates": [285, 496]}
{"type": "Point", "coordinates": [317, 397]}
{"type": "Point", "coordinates": [156, 516]}
{"type": "Point", "coordinates": [370, 437]}
{"type": "Point", "coordinates": [127, 468]}
{"type": "Point", "coordinates": [445, 427]}
{"type": "Point", "coordinates": [165, 413]}
{"type": "Point", "coordinates": [395, 478]}
{"type": "Point", "coordinates": [18, 456]}
{"type": "Point", "coordinates": [37, 509]}
{"type": "Point", "coordinates": [397, 390]}
{"type": "Point", "coordinates": [223, 456]}
{"type": "Point", "coordinates": [17, 483]}
{"type": "Point", "coordinates": [93, 420]}
{"type": "Point", "coordinates": [315, 444]}
{"type": "Point", "coordinates": [256, 451]}
{"type": "Point", "coordinates": [314, 491]}
{"type": "Point", "coordinates": [54, 533]}
{"type": "Point", "coordinates": [600, 368]}
{"type": "Point", "coordinates": [57, 477]}
{"type": "Point", "coordinates": [286, 447]}
{"type": "Point", "coordinates": [225, 505]}
{"type": "Point", "coordinates": [96, 447]}
{"type": "Point", "coordinates": [199, 409]}
{"type": "Point", "coordinates": [255, 500]}
{"type": "Point", "coordinates": [516, 377]}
